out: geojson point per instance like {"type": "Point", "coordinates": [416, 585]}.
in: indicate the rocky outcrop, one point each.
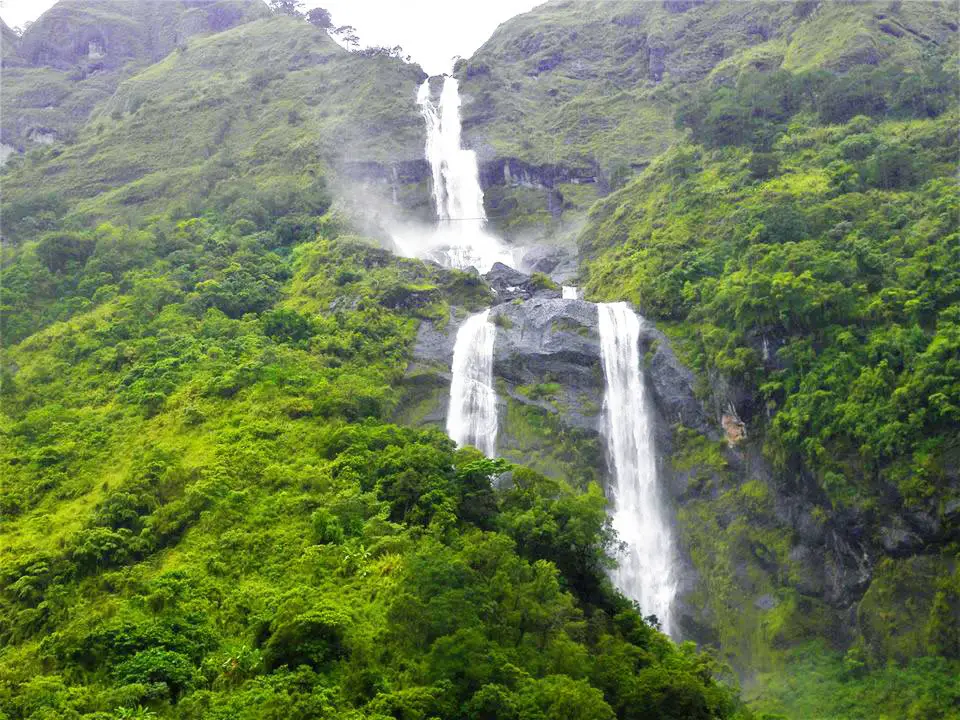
{"type": "Point", "coordinates": [672, 386]}
{"type": "Point", "coordinates": [557, 261]}
{"type": "Point", "coordinates": [550, 384]}
{"type": "Point", "coordinates": [511, 171]}
{"type": "Point", "coordinates": [509, 285]}
{"type": "Point", "coordinates": [111, 33]}
{"type": "Point", "coordinates": [76, 55]}
{"type": "Point", "coordinates": [549, 374]}
{"type": "Point", "coordinates": [550, 347]}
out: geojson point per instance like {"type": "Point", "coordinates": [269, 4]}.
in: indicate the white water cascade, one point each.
{"type": "Point", "coordinates": [472, 414]}
{"type": "Point", "coordinates": [460, 240]}
{"type": "Point", "coordinates": [645, 571]}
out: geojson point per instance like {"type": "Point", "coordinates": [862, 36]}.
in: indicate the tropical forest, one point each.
{"type": "Point", "coordinates": [610, 370]}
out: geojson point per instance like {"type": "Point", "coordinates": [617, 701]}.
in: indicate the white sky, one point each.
{"type": "Point", "coordinates": [431, 31]}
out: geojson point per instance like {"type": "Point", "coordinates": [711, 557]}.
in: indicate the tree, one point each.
{"type": "Point", "coordinates": [287, 7]}
{"type": "Point", "coordinates": [348, 33]}
{"type": "Point", "coordinates": [320, 17]}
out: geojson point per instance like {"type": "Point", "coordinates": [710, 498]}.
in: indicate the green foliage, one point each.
{"type": "Point", "coordinates": [800, 246]}
{"type": "Point", "coordinates": [251, 122]}
{"type": "Point", "coordinates": [831, 297]}
{"type": "Point", "coordinates": [205, 513]}
{"type": "Point", "coordinates": [540, 281]}
{"type": "Point", "coordinates": [758, 108]}
{"type": "Point", "coordinates": [822, 684]}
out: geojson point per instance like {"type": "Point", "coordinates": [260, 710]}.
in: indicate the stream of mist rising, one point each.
{"type": "Point", "coordinates": [645, 571]}
{"type": "Point", "coordinates": [472, 414]}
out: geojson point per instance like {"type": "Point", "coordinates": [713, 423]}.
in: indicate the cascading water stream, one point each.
{"type": "Point", "coordinates": [460, 239]}
{"type": "Point", "coordinates": [472, 414]}
{"type": "Point", "coordinates": [645, 570]}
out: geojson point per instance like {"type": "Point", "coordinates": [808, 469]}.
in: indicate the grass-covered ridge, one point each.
{"type": "Point", "coordinates": [73, 57]}
{"type": "Point", "coordinates": [594, 85]}
{"type": "Point", "coordinates": [588, 91]}
{"type": "Point", "coordinates": [236, 121]}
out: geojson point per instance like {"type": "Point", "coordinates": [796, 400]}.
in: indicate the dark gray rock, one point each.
{"type": "Point", "coordinates": [681, 6]}
{"type": "Point", "coordinates": [434, 346]}
{"type": "Point", "coordinates": [512, 171]}
{"type": "Point", "coordinates": [549, 340]}
{"type": "Point", "coordinates": [510, 284]}
{"type": "Point", "coordinates": [671, 383]}
{"type": "Point", "coordinates": [899, 540]}
{"type": "Point", "coordinates": [765, 602]}
{"type": "Point", "coordinates": [557, 261]}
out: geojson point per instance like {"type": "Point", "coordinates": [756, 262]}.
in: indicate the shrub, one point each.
{"type": "Point", "coordinates": [313, 638]}
{"type": "Point", "coordinates": [173, 672]}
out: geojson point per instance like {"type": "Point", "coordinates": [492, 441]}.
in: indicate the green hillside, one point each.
{"type": "Point", "coordinates": [205, 513]}
{"type": "Point", "coordinates": [204, 510]}
{"type": "Point", "coordinates": [74, 56]}
{"type": "Point", "coordinates": [239, 121]}
{"type": "Point", "coordinates": [212, 501]}
{"type": "Point", "coordinates": [792, 225]}
{"type": "Point", "coordinates": [803, 255]}
{"type": "Point", "coordinates": [591, 88]}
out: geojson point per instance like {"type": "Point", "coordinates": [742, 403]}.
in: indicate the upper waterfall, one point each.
{"type": "Point", "coordinates": [456, 179]}
{"type": "Point", "coordinates": [645, 572]}
{"type": "Point", "coordinates": [472, 415]}
{"type": "Point", "coordinates": [460, 239]}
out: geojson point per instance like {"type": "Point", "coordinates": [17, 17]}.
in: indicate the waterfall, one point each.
{"type": "Point", "coordinates": [645, 571]}
{"type": "Point", "coordinates": [472, 415]}
{"type": "Point", "coordinates": [456, 180]}
{"type": "Point", "coordinates": [569, 292]}
{"type": "Point", "coordinates": [460, 240]}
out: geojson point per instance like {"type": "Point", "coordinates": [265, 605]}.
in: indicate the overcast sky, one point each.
{"type": "Point", "coordinates": [431, 31]}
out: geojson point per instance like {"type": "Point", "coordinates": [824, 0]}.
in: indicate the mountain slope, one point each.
{"type": "Point", "coordinates": [184, 131]}
{"type": "Point", "coordinates": [74, 56]}
{"type": "Point", "coordinates": [587, 91]}
{"type": "Point", "coordinates": [802, 256]}
{"type": "Point", "coordinates": [205, 511]}
{"type": "Point", "coordinates": [792, 226]}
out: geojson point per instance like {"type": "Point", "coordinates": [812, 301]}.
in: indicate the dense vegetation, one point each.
{"type": "Point", "coordinates": [206, 513]}
{"type": "Point", "coordinates": [587, 90]}
{"type": "Point", "coordinates": [801, 247]}
{"type": "Point", "coordinates": [224, 124]}
{"type": "Point", "coordinates": [815, 264]}
{"type": "Point", "coordinates": [211, 502]}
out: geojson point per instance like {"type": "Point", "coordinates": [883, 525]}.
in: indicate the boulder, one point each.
{"type": "Point", "coordinates": [557, 261]}
{"type": "Point", "coordinates": [510, 284]}
{"type": "Point", "coordinates": [671, 384]}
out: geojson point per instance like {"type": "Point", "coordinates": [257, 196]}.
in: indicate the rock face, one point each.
{"type": "Point", "coordinates": [557, 261]}
{"type": "Point", "coordinates": [113, 32]}
{"type": "Point", "coordinates": [672, 386]}
{"type": "Point", "coordinates": [510, 284]}
{"type": "Point", "coordinates": [549, 341]}
{"type": "Point", "coordinates": [549, 374]}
